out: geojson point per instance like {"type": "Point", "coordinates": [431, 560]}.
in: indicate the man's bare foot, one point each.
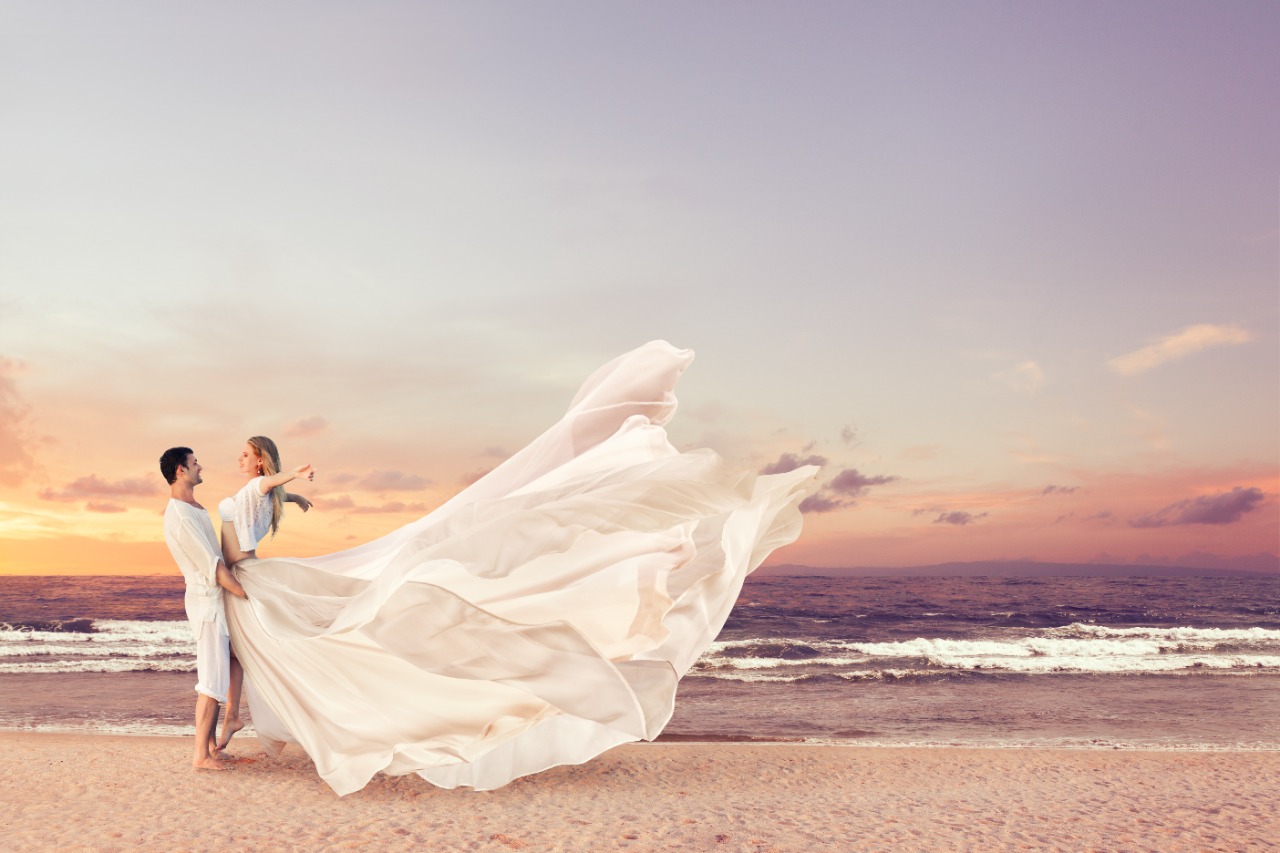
{"type": "Point", "coordinates": [229, 728]}
{"type": "Point", "coordinates": [208, 763]}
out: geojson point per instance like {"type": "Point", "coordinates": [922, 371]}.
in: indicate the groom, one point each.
{"type": "Point", "coordinates": [194, 546]}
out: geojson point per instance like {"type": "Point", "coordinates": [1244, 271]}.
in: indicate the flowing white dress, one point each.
{"type": "Point", "coordinates": [540, 617]}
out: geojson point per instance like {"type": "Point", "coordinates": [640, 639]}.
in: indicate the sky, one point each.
{"type": "Point", "coordinates": [1010, 272]}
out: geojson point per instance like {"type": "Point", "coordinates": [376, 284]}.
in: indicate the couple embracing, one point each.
{"type": "Point", "coordinates": [207, 568]}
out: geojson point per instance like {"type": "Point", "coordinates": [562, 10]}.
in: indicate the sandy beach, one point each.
{"type": "Point", "coordinates": [78, 792]}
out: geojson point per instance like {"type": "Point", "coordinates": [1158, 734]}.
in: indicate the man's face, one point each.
{"type": "Point", "coordinates": [190, 472]}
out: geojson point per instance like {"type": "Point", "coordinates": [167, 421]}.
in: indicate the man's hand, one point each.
{"type": "Point", "coordinates": [229, 582]}
{"type": "Point", "coordinates": [302, 502]}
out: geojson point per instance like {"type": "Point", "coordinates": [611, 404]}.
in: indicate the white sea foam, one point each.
{"type": "Point", "coordinates": [114, 646]}
{"type": "Point", "coordinates": [1075, 648]}
{"type": "Point", "coordinates": [99, 665]}
{"type": "Point", "coordinates": [1207, 635]}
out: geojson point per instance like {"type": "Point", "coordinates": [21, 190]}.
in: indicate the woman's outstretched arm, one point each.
{"type": "Point", "coordinates": [302, 472]}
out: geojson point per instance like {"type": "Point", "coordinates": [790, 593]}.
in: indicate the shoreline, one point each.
{"type": "Point", "coordinates": [711, 738]}
{"type": "Point", "coordinates": [116, 792]}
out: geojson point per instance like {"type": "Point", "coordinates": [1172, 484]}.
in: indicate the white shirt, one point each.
{"type": "Point", "coordinates": [250, 511]}
{"type": "Point", "coordinates": [189, 534]}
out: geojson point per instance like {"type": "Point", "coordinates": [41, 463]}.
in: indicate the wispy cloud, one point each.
{"type": "Point", "coordinates": [960, 519]}
{"type": "Point", "coordinates": [381, 481]}
{"type": "Point", "coordinates": [345, 503]}
{"type": "Point", "coordinates": [16, 461]}
{"type": "Point", "coordinates": [1058, 490]}
{"type": "Point", "coordinates": [841, 490]}
{"type": "Point", "coordinates": [305, 427]}
{"type": "Point", "coordinates": [822, 503]}
{"type": "Point", "coordinates": [94, 487]}
{"type": "Point", "coordinates": [1178, 345]}
{"type": "Point", "coordinates": [791, 461]}
{"type": "Point", "coordinates": [1026, 377]}
{"type": "Point", "coordinates": [852, 482]}
{"type": "Point", "coordinates": [391, 507]}
{"type": "Point", "coordinates": [1225, 508]}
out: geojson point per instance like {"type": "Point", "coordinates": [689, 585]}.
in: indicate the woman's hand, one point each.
{"type": "Point", "coordinates": [302, 472]}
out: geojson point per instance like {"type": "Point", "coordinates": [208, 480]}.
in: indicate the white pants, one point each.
{"type": "Point", "coordinates": [213, 659]}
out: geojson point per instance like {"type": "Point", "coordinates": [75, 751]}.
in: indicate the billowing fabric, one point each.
{"type": "Point", "coordinates": [250, 512]}
{"type": "Point", "coordinates": [538, 618]}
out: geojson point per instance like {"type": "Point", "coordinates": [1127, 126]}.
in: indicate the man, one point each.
{"type": "Point", "coordinates": [194, 546]}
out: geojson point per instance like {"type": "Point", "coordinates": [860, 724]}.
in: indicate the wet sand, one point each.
{"type": "Point", "coordinates": [84, 792]}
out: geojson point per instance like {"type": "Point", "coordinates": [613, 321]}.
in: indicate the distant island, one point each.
{"type": "Point", "coordinates": [1257, 566]}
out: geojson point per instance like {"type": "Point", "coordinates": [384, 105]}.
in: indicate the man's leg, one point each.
{"type": "Point", "coordinates": [206, 718]}
{"type": "Point", "coordinates": [212, 670]}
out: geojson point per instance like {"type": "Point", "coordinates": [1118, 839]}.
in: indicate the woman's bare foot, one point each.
{"type": "Point", "coordinates": [229, 728]}
{"type": "Point", "coordinates": [208, 763]}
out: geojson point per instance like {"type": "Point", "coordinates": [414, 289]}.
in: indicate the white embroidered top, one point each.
{"type": "Point", "coordinates": [189, 534]}
{"type": "Point", "coordinates": [250, 512]}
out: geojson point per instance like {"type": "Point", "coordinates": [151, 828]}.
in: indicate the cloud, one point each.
{"type": "Point", "coordinates": [837, 494]}
{"type": "Point", "coordinates": [1059, 490]}
{"type": "Point", "coordinates": [1171, 347]}
{"type": "Point", "coordinates": [93, 486]}
{"type": "Point", "coordinates": [381, 481]}
{"type": "Point", "coordinates": [1026, 377]}
{"type": "Point", "coordinates": [495, 451]}
{"type": "Point", "coordinates": [821, 503]}
{"type": "Point", "coordinates": [105, 506]}
{"type": "Point", "coordinates": [390, 506]}
{"type": "Point", "coordinates": [16, 461]}
{"type": "Point", "coordinates": [313, 425]}
{"type": "Point", "coordinates": [345, 503]}
{"type": "Point", "coordinates": [790, 462]}
{"type": "Point", "coordinates": [1226, 508]}
{"type": "Point", "coordinates": [1099, 516]}
{"type": "Point", "coordinates": [849, 435]}
{"type": "Point", "coordinates": [960, 519]}
{"type": "Point", "coordinates": [471, 477]}
{"type": "Point", "coordinates": [851, 482]}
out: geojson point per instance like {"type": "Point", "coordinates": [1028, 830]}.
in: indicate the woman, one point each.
{"type": "Point", "coordinates": [541, 616]}
{"type": "Point", "coordinates": [246, 519]}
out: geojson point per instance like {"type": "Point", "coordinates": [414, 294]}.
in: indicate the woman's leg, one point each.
{"type": "Point", "coordinates": [231, 722]}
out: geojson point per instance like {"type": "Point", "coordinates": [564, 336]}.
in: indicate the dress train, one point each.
{"type": "Point", "coordinates": [540, 617]}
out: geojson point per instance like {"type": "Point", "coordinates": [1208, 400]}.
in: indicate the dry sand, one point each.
{"type": "Point", "coordinates": [76, 792]}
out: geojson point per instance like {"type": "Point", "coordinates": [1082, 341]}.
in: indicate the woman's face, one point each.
{"type": "Point", "coordinates": [250, 461]}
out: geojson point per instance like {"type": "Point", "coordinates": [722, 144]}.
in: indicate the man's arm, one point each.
{"type": "Point", "coordinates": [302, 502]}
{"type": "Point", "coordinates": [228, 581]}
{"type": "Point", "coordinates": [201, 552]}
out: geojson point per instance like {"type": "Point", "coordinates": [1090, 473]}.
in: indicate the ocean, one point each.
{"type": "Point", "coordinates": [1144, 662]}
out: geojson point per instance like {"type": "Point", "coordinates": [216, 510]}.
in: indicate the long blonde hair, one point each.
{"type": "Point", "coordinates": [269, 456]}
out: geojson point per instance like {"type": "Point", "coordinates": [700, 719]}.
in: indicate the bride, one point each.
{"type": "Point", "coordinates": [539, 617]}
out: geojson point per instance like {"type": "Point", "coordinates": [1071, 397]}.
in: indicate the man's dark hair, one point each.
{"type": "Point", "coordinates": [173, 459]}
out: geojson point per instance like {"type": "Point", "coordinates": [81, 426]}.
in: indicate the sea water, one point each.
{"type": "Point", "coordinates": [1149, 662]}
